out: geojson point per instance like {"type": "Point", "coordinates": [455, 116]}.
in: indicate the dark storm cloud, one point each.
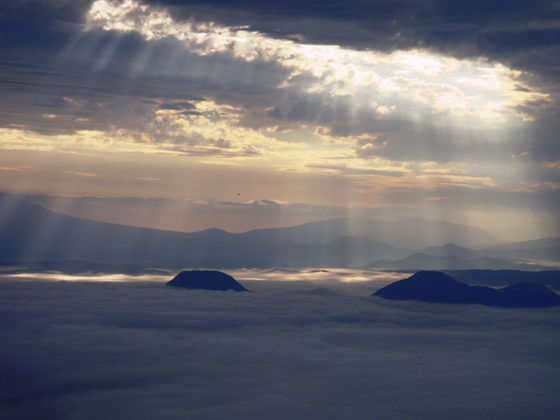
{"type": "Point", "coordinates": [291, 350]}
{"type": "Point", "coordinates": [337, 112]}
{"type": "Point", "coordinates": [39, 24]}
{"type": "Point", "coordinates": [525, 34]}
{"type": "Point", "coordinates": [177, 106]}
{"type": "Point", "coordinates": [46, 10]}
{"type": "Point", "coordinates": [108, 79]}
{"type": "Point", "coordinates": [56, 79]}
{"type": "Point", "coordinates": [522, 35]}
{"type": "Point", "coordinates": [394, 137]}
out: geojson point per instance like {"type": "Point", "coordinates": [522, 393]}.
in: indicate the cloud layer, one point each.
{"type": "Point", "coordinates": [287, 350]}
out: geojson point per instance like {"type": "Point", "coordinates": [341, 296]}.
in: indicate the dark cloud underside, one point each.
{"type": "Point", "coordinates": [47, 59]}
{"type": "Point", "coordinates": [512, 30]}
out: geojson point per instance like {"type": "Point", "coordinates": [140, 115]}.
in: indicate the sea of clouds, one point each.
{"type": "Point", "coordinates": [287, 350]}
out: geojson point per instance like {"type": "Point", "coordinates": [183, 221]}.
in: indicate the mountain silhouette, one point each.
{"type": "Point", "coordinates": [37, 237]}
{"type": "Point", "coordinates": [206, 280]}
{"type": "Point", "coordinates": [404, 234]}
{"type": "Point", "coordinates": [437, 287]}
{"type": "Point", "coordinates": [502, 278]}
{"type": "Point", "coordinates": [346, 251]}
{"type": "Point", "coordinates": [420, 261]}
{"type": "Point", "coordinates": [453, 250]}
{"type": "Point", "coordinates": [546, 249]}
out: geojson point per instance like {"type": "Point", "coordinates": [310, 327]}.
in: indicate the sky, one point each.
{"type": "Point", "coordinates": [185, 115]}
{"type": "Point", "coordinates": [287, 350]}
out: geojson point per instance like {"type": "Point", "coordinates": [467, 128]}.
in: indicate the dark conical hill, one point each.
{"type": "Point", "coordinates": [206, 280]}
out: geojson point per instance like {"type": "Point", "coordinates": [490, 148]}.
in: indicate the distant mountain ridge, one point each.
{"type": "Point", "coordinates": [420, 261]}
{"type": "Point", "coordinates": [453, 250]}
{"type": "Point", "coordinates": [546, 249]}
{"type": "Point", "coordinates": [406, 234]}
{"type": "Point", "coordinates": [31, 235]}
{"type": "Point", "coordinates": [346, 251]}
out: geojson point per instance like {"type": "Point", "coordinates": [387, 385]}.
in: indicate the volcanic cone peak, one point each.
{"type": "Point", "coordinates": [206, 280]}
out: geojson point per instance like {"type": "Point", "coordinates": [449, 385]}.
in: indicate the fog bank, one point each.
{"type": "Point", "coordinates": [297, 350]}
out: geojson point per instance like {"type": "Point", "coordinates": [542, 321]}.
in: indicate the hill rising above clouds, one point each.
{"type": "Point", "coordinates": [436, 287]}
{"type": "Point", "coordinates": [206, 280]}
